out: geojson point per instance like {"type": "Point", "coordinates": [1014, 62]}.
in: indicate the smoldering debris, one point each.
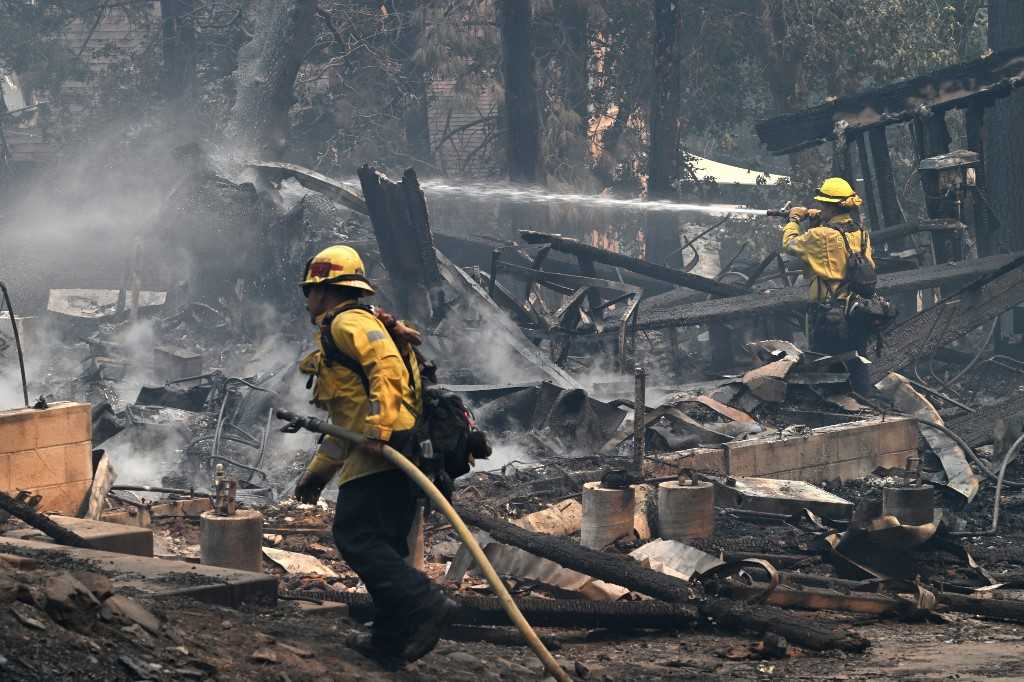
{"type": "Point", "coordinates": [185, 387]}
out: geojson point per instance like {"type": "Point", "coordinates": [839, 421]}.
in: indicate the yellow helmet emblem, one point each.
{"type": "Point", "coordinates": [340, 265]}
{"type": "Point", "coordinates": [838, 191]}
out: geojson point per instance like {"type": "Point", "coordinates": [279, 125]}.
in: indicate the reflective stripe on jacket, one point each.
{"type": "Point", "coordinates": [388, 407]}
{"type": "Point", "coordinates": [823, 252]}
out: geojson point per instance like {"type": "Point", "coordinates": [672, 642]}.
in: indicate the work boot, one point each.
{"type": "Point", "coordinates": [362, 643]}
{"type": "Point", "coordinates": [427, 624]}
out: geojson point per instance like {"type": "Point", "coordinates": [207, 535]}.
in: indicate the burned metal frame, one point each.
{"type": "Point", "coordinates": [565, 321]}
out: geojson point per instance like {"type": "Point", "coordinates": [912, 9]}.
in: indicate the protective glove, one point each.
{"type": "Point", "coordinates": [798, 213]}
{"type": "Point", "coordinates": [374, 447]}
{"type": "Point", "coordinates": [309, 487]}
{"type": "Point", "coordinates": [398, 328]}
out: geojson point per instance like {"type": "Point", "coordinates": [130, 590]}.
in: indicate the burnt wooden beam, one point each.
{"type": "Point", "coordinates": [894, 233]}
{"type": "Point", "coordinates": [983, 221]}
{"type": "Point", "coordinates": [398, 212]}
{"type": "Point", "coordinates": [952, 87]}
{"type": "Point", "coordinates": [869, 191]}
{"type": "Point", "coordinates": [660, 272]}
{"type": "Point", "coordinates": [950, 319]}
{"type": "Point", "coordinates": [673, 310]}
{"type": "Point", "coordinates": [612, 568]}
{"type": "Point", "coordinates": [503, 332]}
{"type": "Point", "coordinates": [318, 182]}
{"type": "Point", "coordinates": [885, 181]}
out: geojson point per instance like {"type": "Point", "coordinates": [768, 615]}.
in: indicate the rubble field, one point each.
{"type": "Point", "coordinates": [661, 502]}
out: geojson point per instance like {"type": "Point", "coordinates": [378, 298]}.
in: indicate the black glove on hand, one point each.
{"type": "Point", "coordinates": [309, 487]}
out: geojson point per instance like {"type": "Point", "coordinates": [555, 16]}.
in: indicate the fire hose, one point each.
{"type": "Point", "coordinates": [315, 425]}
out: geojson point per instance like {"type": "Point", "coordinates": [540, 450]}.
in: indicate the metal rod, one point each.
{"type": "Point", "coordinates": [263, 443]}
{"type": "Point", "coordinates": [492, 284]}
{"type": "Point", "coordinates": [17, 342]}
{"type": "Point", "coordinates": [155, 489]}
{"type": "Point", "coordinates": [639, 419]}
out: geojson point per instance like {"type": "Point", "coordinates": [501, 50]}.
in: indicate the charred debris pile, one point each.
{"type": "Point", "coordinates": [650, 476]}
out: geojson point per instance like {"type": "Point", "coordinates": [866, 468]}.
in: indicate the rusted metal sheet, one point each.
{"type": "Point", "coordinates": [953, 87]}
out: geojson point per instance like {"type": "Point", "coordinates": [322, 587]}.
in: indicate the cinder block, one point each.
{"type": "Point", "coordinates": [65, 498]}
{"type": "Point", "coordinates": [71, 423]}
{"type": "Point", "coordinates": [109, 537]}
{"type": "Point", "coordinates": [850, 441]}
{"type": "Point", "coordinates": [78, 461]}
{"type": "Point", "coordinates": [28, 429]}
{"type": "Point", "coordinates": [853, 469]}
{"type": "Point", "coordinates": [892, 460]}
{"type": "Point", "coordinates": [897, 434]}
{"type": "Point", "coordinates": [5, 472]}
{"type": "Point", "coordinates": [38, 467]}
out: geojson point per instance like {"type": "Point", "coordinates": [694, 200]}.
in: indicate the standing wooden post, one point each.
{"type": "Point", "coordinates": [398, 212]}
{"type": "Point", "coordinates": [868, 192]}
{"type": "Point", "coordinates": [639, 419]}
{"type": "Point", "coordinates": [888, 197]}
{"type": "Point", "coordinates": [984, 225]}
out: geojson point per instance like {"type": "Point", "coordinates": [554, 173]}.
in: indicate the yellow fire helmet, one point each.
{"type": "Point", "coordinates": [339, 265]}
{"type": "Point", "coordinates": [838, 191]}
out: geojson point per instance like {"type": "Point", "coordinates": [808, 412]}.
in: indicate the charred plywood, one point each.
{"type": "Point", "coordinates": [949, 88]}
{"type": "Point", "coordinates": [673, 310]}
{"type": "Point", "coordinates": [398, 212]}
{"type": "Point", "coordinates": [938, 326]}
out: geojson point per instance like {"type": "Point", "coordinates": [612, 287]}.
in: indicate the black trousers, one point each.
{"type": "Point", "coordinates": [371, 526]}
{"type": "Point", "coordinates": [831, 339]}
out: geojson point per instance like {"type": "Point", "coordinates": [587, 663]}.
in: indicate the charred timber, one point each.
{"type": "Point", "coordinates": [43, 523]}
{"type": "Point", "coordinates": [567, 613]}
{"type": "Point", "coordinates": [976, 428]}
{"type": "Point", "coordinates": [619, 570]}
{"type": "Point", "coordinates": [953, 87]}
{"type": "Point", "coordinates": [938, 326]}
{"type": "Point", "coordinates": [659, 272]}
{"type": "Point", "coordinates": [672, 310]}
{"type": "Point", "coordinates": [601, 565]}
{"type": "Point", "coordinates": [901, 230]}
{"type": "Point", "coordinates": [761, 618]}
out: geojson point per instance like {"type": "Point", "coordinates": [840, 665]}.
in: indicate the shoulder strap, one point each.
{"type": "Point", "coordinates": [334, 355]}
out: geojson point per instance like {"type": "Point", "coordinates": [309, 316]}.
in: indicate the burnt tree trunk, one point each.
{"type": "Point", "coordinates": [178, 75]}
{"type": "Point", "coordinates": [265, 78]}
{"type": "Point", "coordinates": [1005, 124]}
{"type": "Point", "coordinates": [1004, 145]}
{"type": "Point", "coordinates": [662, 234]}
{"type": "Point", "coordinates": [573, 53]}
{"type": "Point", "coordinates": [413, 81]}
{"type": "Point", "coordinates": [782, 60]}
{"type": "Point", "coordinates": [521, 111]}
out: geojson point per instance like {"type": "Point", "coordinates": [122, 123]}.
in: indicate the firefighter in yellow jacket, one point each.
{"type": "Point", "coordinates": [823, 249]}
{"type": "Point", "coordinates": [369, 385]}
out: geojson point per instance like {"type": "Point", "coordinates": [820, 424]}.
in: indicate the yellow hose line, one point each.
{"type": "Point", "coordinates": [411, 470]}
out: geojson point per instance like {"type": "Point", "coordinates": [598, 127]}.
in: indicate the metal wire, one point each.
{"type": "Point", "coordinates": [17, 341]}
{"type": "Point", "coordinates": [974, 360]}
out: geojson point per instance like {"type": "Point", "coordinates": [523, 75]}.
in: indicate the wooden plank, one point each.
{"type": "Point", "coordinates": [673, 310]}
{"type": "Point", "coordinates": [938, 326]}
{"type": "Point", "coordinates": [955, 86]}
{"type": "Point", "coordinates": [677, 277]}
